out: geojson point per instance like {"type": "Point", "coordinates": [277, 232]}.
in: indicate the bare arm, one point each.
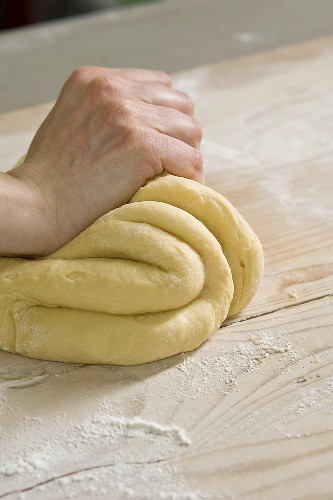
{"type": "Point", "coordinates": [23, 224]}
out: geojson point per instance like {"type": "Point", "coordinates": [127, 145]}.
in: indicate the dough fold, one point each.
{"type": "Point", "coordinates": [146, 281]}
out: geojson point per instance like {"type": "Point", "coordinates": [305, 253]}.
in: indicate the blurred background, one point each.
{"type": "Point", "coordinates": [16, 13]}
{"type": "Point", "coordinates": [42, 41]}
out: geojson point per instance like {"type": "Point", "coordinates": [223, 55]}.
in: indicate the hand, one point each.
{"type": "Point", "coordinates": [109, 132]}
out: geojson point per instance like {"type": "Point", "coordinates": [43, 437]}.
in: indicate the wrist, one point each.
{"type": "Point", "coordinates": [24, 224]}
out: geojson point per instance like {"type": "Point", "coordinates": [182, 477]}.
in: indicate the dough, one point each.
{"type": "Point", "coordinates": [148, 280]}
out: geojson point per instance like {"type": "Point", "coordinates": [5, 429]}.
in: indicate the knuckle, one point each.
{"type": "Point", "coordinates": [147, 152]}
{"type": "Point", "coordinates": [102, 85]}
{"type": "Point", "coordinates": [128, 133]}
{"type": "Point", "coordinates": [197, 160]}
{"type": "Point", "coordinates": [126, 110]}
{"type": "Point", "coordinates": [197, 130]}
{"type": "Point", "coordinates": [82, 74]}
{"type": "Point", "coordinates": [123, 127]}
{"type": "Point", "coordinates": [187, 103]}
{"type": "Point", "coordinates": [123, 115]}
{"type": "Point", "coordinates": [163, 78]}
{"type": "Point", "coordinates": [108, 89]}
{"type": "Point", "coordinates": [145, 140]}
{"type": "Point", "coordinates": [95, 91]}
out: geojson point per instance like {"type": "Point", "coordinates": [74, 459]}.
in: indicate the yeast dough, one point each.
{"type": "Point", "coordinates": [147, 280]}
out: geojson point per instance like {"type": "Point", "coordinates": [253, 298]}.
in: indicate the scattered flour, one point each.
{"type": "Point", "coordinates": [291, 194]}
{"type": "Point", "coordinates": [101, 431]}
{"type": "Point", "coordinates": [132, 456]}
{"type": "Point", "coordinates": [218, 370]}
{"type": "Point", "coordinates": [110, 427]}
{"type": "Point", "coordinates": [267, 345]}
{"type": "Point", "coordinates": [315, 399]}
{"type": "Point", "coordinates": [200, 376]}
{"type": "Point", "coordinates": [24, 465]}
{"type": "Point", "coordinates": [118, 482]}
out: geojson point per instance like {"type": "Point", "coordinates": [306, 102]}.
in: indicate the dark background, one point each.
{"type": "Point", "coordinates": [17, 13]}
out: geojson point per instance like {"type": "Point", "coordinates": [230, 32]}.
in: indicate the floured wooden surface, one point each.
{"type": "Point", "coordinates": [250, 413]}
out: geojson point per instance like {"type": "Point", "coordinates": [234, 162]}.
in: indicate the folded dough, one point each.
{"type": "Point", "coordinates": [147, 280]}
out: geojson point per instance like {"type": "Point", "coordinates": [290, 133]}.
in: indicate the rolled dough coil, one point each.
{"type": "Point", "coordinates": [146, 281]}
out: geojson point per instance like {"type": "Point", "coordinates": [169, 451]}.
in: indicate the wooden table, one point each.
{"type": "Point", "coordinates": [256, 400]}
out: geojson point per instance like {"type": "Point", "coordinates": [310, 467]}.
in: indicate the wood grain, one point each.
{"type": "Point", "coordinates": [268, 147]}
{"type": "Point", "coordinates": [257, 398]}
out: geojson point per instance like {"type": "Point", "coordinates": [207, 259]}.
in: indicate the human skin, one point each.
{"type": "Point", "coordinates": [109, 132]}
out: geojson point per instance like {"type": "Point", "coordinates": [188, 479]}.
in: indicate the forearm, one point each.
{"type": "Point", "coordinates": [23, 229]}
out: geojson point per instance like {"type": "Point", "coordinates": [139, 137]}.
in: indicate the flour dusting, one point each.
{"type": "Point", "coordinates": [127, 438]}
{"type": "Point", "coordinates": [217, 371]}
{"type": "Point", "coordinates": [156, 482]}
{"type": "Point", "coordinates": [110, 427]}
{"type": "Point", "coordinates": [100, 430]}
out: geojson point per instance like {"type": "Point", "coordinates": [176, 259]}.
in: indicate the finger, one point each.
{"type": "Point", "coordinates": [86, 73]}
{"type": "Point", "coordinates": [173, 123]}
{"type": "Point", "coordinates": [165, 96]}
{"type": "Point", "coordinates": [143, 75]}
{"type": "Point", "coordinates": [180, 159]}
{"type": "Point", "coordinates": [132, 74]}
